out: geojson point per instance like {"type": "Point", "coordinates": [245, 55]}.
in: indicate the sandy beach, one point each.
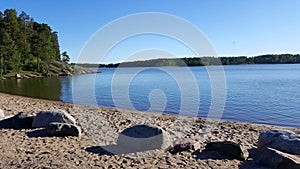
{"type": "Point", "coordinates": [31, 148]}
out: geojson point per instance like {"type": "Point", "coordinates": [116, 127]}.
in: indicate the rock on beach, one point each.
{"type": "Point", "coordinates": [229, 149]}
{"type": "Point", "coordinates": [143, 138]}
{"type": "Point", "coordinates": [283, 140]}
{"type": "Point", "coordinates": [63, 129]}
{"type": "Point", "coordinates": [276, 159]}
{"type": "Point", "coordinates": [44, 118]}
{"type": "Point", "coordinates": [19, 121]}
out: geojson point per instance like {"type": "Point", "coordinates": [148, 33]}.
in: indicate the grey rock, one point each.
{"type": "Point", "coordinates": [44, 118]}
{"type": "Point", "coordinates": [286, 141]}
{"type": "Point", "coordinates": [143, 137]}
{"type": "Point", "coordinates": [19, 121]}
{"type": "Point", "coordinates": [188, 146]}
{"type": "Point", "coordinates": [18, 76]}
{"type": "Point", "coordinates": [276, 159]}
{"type": "Point", "coordinates": [228, 149]}
{"type": "Point", "coordinates": [63, 129]}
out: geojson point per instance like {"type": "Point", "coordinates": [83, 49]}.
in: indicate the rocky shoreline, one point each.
{"type": "Point", "coordinates": [190, 137]}
{"type": "Point", "coordinates": [57, 69]}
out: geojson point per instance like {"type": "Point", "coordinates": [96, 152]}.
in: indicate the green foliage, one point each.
{"type": "Point", "coordinates": [25, 44]}
{"type": "Point", "coordinates": [206, 61]}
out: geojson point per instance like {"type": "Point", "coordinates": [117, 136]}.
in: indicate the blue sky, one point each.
{"type": "Point", "coordinates": [234, 27]}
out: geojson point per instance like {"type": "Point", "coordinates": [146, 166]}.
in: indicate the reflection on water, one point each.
{"type": "Point", "coordinates": [66, 89]}
{"type": "Point", "coordinates": [44, 88]}
{"type": "Point", "coordinates": [264, 94]}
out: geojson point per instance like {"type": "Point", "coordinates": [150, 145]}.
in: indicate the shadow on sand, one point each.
{"type": "Point", "coordinates": [17, 122]}
{"type": "Point", "coordinates": [248, 164]}
{"type": "Point", "coordinates": [38, 133]}
{"type": "Point", "coordinates": [115, 149]}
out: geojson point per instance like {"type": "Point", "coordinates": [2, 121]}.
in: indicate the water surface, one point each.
{"type": "Point", "coordinates": [264, 94]}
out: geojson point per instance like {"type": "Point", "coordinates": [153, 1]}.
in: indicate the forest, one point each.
{"type": "Point", "coordinates": [26, 45]}
{"type": "Point", "coordinates": [207, 61]}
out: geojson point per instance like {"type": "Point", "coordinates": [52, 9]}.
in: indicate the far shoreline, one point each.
{"type": "Point", "coordinates": [204, 61]}
{"type": "Point", "coordinates": [187, 66]}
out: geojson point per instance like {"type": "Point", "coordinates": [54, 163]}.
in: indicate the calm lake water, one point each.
{"type": "Point", "coordinates": [264, 94]}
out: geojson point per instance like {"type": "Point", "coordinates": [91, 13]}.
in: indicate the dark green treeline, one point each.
{"type": "Point", "coordinates": [206, 61]}
{"type": "Point", "coordinates": [26, 45]}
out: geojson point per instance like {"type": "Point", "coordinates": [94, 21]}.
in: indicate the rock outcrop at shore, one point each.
{"type": "Point", "coordinates": [63, 69]}
{"type": "Point", "coordinates": [82, 70]}
{"type": "Point", "coordinates": [55, 69]}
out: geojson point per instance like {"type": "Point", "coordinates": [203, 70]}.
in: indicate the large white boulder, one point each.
{"type": "Point", "coordinates": [143, 137]}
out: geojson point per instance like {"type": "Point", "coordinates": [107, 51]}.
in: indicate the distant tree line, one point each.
{"type": "Point", "coordinates": [262, 59]}
{"type": "Point", "coordinates": [206, 61]}
{"type": "Point", "coordinates": [26, 45]}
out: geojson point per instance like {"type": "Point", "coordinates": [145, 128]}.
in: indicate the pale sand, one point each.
{"type": "Point", "coordinates": [30, 148]}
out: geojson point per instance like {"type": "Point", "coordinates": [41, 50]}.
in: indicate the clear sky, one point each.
{"type": "Point", "coordinates": [234, 27]}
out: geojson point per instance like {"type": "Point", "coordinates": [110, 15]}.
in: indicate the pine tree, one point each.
{"type": "Point", "coordinates": [26, 28]}
{"type": "Point", "coordinates": [65, 57]}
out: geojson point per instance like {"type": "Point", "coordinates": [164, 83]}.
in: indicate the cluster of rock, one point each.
{"type": "Point", "coordinates": [56, 122]}
{"type": "Point", "coordinates": [27, 76]}
{"type": "Point", "coordinates": [143, 137]}
{"type": "Point", "coordinates": [276, 149]}
{"type": "Point", "coordinates": [226, 149]}
{"type": "Point", "coordinates": [279, 149]}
